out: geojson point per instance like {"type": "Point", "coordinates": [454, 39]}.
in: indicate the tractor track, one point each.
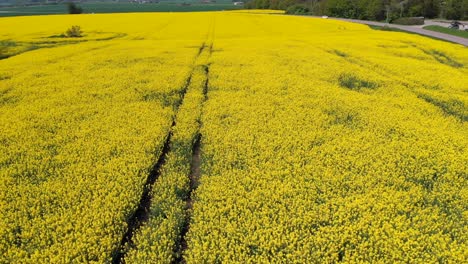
{"type": "Point", "coordinates": [194, 176]}
{"type": "Point", "coordinates": [141, 214]}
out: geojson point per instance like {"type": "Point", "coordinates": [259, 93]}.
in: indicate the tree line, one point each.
{"type": "Point", "coordinates": [370, 9]}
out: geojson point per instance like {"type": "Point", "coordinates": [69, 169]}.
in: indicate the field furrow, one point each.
{"type": "Point", "coordinates": [141, 214]}
{"type": "Point", "coordinates": [162, 238]}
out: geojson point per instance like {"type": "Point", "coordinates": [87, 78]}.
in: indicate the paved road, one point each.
{"type": "Point", "coordinates": [414, 29]}
{"type": "Point", "coordinates": [445, 24]}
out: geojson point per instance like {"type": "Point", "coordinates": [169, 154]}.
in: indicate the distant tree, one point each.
{"type": "Point", "coordinates": [391, 8]}
{"type": "Point", "coordinates": [341, 8]}
{"type": "Point", "coordinates": [74, 9]}
{"type": "Point", "coordinates": [298, 9]}
{"type": "Point", "coordinates": [431, 8]}
{"type": "Point", "coordinates": [265, 4]}
{"type": "Point", "coordinates": [369, 9]}
{"type": "Point", "coordinates": [274, 4]}
{"type": "Point", "coordinates": [465, 9]}
{"type": "Point", "coordinates": [375, 10]}
{"type": "Point", "coordinates": [74, 32]}
{"type": "Point", "coordinates": [284, 4]}
{"type": "Point", "coordinates": [454, 9]}
{"type": "Point", "coordinates": [372, 9]}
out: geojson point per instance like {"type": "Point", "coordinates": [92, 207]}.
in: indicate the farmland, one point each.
{"type": "Point", "coordinates": [118, 7]}
{"type": "Point", "coordinates": [230, 137]}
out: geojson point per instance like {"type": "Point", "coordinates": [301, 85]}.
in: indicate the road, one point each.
{"type": "Point", "coordinates": [413, 29]}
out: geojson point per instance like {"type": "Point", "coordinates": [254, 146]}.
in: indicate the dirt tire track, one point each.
{"type": "Point", "coordinates": [195, 166]}
{"type": "Point", "coordinates": [141, 214]}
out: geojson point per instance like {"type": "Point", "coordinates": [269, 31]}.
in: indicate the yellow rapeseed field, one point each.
{"type": "Point", "coordinates": [321, 141]}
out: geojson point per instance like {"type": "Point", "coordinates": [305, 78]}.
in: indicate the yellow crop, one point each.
{"type": "Point", "coordinates": [322, 141]}
{"type": "Point", "coordinates": [156, 241]}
